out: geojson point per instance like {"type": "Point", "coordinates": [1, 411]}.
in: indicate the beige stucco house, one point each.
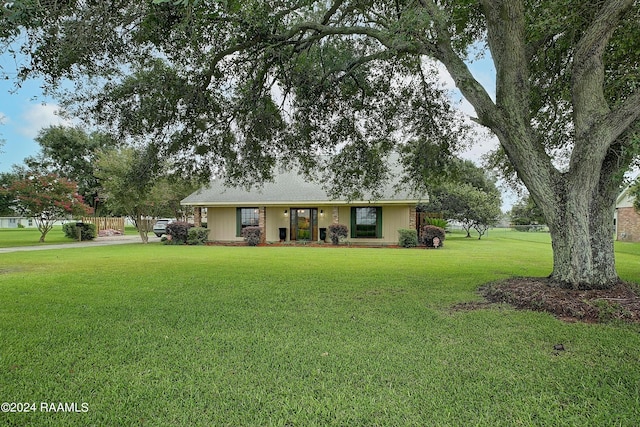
{"type": "Point", "coordinates": [294, 209]}
{"type": "Point", "coordinates": [627, 219]}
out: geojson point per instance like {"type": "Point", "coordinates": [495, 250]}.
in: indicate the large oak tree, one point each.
{"type": "Point", "coordinates": [238, 86]}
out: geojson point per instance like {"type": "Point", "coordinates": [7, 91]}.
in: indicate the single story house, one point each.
{"type": "Point", "coordinates": [627, 219]}
{"type": "Point", "coordinates": [293, 209]}
{"type": "Point", "coordinates": [16, 221]}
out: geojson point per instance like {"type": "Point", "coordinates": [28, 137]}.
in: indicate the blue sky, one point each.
{"type": "Point", "coordinates": [23, 113]}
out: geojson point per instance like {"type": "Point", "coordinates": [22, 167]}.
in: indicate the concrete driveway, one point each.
{"type": "Point", "coordinates": [99, 241]}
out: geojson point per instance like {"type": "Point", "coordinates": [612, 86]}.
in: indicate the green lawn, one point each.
{"type": "Point", "coordinates": [12, 237]}
{"type": "Point", "coordinates": [303, 336]}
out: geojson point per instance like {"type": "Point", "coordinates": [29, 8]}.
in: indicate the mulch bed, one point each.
{"type": "Point", "coordinates": [622, 302]}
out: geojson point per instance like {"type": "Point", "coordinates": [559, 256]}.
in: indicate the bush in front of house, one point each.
{"type": "Point", "coordinates": [197, 236]}
{"type": "Point", "coordinates": [337, 232]}
{"type": "Point", "coordinates": [438, 222]}
{"type": "Point", "coordinates": [179, 232]}
{"type": "Point", "coordinates": [252, 235]}
{"type": "Point", "coordinates": [429, 233]}
{"type": "Point", "coordinates": [408, 238]}
{"type": "Point", "coordinates": [87, 231]}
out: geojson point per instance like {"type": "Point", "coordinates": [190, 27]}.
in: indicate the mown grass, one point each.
{"type": "Point", "coordinates": [165, 335]}
{"type": "Point", "coordinates": [12, 237]}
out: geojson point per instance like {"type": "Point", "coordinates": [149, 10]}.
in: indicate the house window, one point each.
{"type": "Point", "coordinates": [246, 217]}
{"type": "Point", "coordinates": [366, 222]}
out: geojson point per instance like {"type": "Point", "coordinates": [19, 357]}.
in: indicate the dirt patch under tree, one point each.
{"type": "Point", "coordinates": [622, 302]}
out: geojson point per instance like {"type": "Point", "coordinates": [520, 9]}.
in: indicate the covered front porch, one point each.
{"type": "Point", "coordinates": [308, 223]}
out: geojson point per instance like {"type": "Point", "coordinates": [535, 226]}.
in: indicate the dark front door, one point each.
{"type": "Point", "coordinates": [304, 224]}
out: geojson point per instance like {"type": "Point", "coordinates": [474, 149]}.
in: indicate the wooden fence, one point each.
{"type": "Point", "coordinates": [104, 223]}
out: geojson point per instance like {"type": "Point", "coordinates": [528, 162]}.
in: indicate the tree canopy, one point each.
{"type": "Point", "coordinates": [46, 198]}
{"type": "Point", "coordinates": [634, 191]}
{"type": "Point", "coordinates": [71, 152]}
{"type": "Point", "coordinates": [6, 198]}
{"type": "Point", "coordinates": [236, 87]}
{"type": "Point", "coordinates": [526, 213]}
{"type": "Point", "coordinates": [134, 184]}
{"type": "Point", "coordinates": [472, 199]}
{"type": "Point", "coordinates": [127, 178]}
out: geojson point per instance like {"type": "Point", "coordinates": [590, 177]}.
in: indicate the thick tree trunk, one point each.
{"type": "Point", "coordinates": [578, 203]}
{"type": "Point", "coordinates": [582, 232]}
{"type": "Point", "coordinates": [583, 235]}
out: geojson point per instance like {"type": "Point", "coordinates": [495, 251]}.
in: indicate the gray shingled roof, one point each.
{"type": "Point", "coordinates": [287, 187]}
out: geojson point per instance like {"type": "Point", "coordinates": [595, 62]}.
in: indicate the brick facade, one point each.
{"type": "Point", "coordinates": [412, 219]}
{"type": "Point", "coordinates": [628, 225]}
{"type": "Point", "coordinates": [197, 217]}
{"type": "Point", "coordinates": [262, 223]}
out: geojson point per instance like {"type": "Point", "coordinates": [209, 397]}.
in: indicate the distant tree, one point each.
{"type": "Point", "coordinates": [71, 152]}
{"type": "Point", "coordinates": [128, 177]}
{"type": "Point", "coordinates": [465, 171]}
{"type": "Point", "coordinates": [634, 191]}
{"type": "Point", "coordinates": [6, 198]}
{"type": "Point", "coordinates": [487, 211]}
{"type": "Point", "coordinates": [525, 212]}
{"type": "Point", "coordinates": [46, 198]}
{"type": "Point", "coordinates": [467, 205]}
{"type": "Point", "coordinates": [470, 197]}
{"type": "Point", "coordinates": [170, 191]}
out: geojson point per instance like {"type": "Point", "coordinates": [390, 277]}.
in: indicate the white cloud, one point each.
{"type": "Point", "coordinates": [41, 116]}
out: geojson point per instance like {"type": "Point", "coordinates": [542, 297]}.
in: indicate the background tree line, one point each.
{"type": "Point", "coordinates": [101, 175]}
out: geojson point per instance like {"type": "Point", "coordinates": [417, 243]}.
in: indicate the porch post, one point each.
{"type": "Point", "coordinates": [197, 216]}
{"type": "Point", "coordinates": [262, 223]}
{"type": "Point", "coordinates": [412, 218]}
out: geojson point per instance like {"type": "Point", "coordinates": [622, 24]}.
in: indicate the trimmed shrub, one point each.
{"type": "Point", "coordinates": [70, 230]}
{"type": "Point", "coordinates": [252, 235]}
{"type": "Point", "coordinates": [179, 232]}
{"type": "Point", "coordinates": [337, 232]}
{"type": "Point", "coordinates": [429, 233]}
{"type": "Point", "coordinates": [197, 236]}
{"type": "Point", "coordinates": [438, 222]}
{"type": "Point", "coordinates": [408, 238]}
{"type": "Point", "coordinates": [87, 231]}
